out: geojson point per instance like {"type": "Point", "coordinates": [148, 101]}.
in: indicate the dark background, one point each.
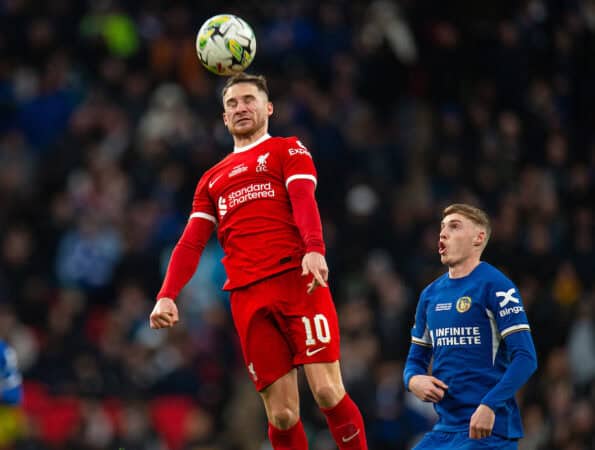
{"type": "Point", "coordinates": [107, 121]}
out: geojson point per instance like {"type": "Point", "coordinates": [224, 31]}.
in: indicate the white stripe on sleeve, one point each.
{"type": "Point", "coordinates": [201, 215]}
{"type": "Point", "coordinates": [300, 177]}
{"type": "Point", "coordinates": [514, 329]}
{"type": "Point", "coordinates": [419, 341]}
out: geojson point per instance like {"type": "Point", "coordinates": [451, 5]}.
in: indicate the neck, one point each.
{"type": "Point", "coordinates": [463, 268]}
{"type": "Point", "coordinates": [244, 140]}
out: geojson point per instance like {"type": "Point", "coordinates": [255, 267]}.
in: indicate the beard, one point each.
{"type": "Point", "coordinates": [246, 132]}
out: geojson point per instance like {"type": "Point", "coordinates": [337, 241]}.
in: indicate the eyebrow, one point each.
{"type": "Point", "coordinates": [451, 221]}
{"type": "Point", "coordinates": [231, 99]}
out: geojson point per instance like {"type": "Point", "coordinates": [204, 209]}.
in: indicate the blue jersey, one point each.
{"type": "Point", "coordinates": [476, 329]}
{"type": "Point", "coordinates": [11, 389]}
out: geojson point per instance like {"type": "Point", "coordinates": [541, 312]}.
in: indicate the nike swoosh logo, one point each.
{"type": "Point", "coordinates": [313, 352]}
{"type": "Point", "coordinates": [349, 438]}
{"type": "Point", "coordinates": [212, 183]}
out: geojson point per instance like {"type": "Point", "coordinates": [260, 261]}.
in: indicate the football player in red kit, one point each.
{"type": "Point", "coordinates": [261, 199]}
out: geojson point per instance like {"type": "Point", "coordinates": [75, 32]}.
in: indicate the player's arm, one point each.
{"type": "Point", "coordinates": [300, 180]}
{"type": "Point", "coordinates": [521, 353]}
{"type": "Point", "coordinates": [415, 374]}
{"type": "Point", "coordinates": [11, 388]}
{"type": "Point", "coordinates": [182, 265]}
{"type": "Point", "coordinates": [307, 219]}
{"type": "Point", "coordinates": [523, 362]}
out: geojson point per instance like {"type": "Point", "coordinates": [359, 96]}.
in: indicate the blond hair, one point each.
{"type": "Point", "coordinates": [257, 80]}
{"type": "Point", "coordinates": [474, 214]}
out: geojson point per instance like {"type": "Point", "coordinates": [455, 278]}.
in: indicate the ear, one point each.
{"type": "Point", "coordinates": [269, 109]}
{"type": "Point", "coordinates": [479, 238]}
{"type": "Point", "coordinates": [224, 118]}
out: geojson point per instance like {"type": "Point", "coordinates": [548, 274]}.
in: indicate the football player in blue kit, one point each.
{"type": "Point", "coordinates": [11, 388]}
{"type": "Point", "coordinates": [471, 321]}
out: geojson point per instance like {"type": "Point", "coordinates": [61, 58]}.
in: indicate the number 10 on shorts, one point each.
{"type": "Point", "coordinates": [323, 333]}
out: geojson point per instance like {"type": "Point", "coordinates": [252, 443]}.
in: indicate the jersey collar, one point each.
{"type": "Point", "coordinates": [254, 144]}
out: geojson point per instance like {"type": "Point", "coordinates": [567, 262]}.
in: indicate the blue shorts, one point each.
{"type": "Point", "coordinates": [440, 440]}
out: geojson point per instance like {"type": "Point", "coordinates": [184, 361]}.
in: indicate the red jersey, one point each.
{"type": "Point", "coordinates": [246, 196]}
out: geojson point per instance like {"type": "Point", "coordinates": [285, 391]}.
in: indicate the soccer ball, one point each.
{"type": "Point", "coordinates": [225, 44]}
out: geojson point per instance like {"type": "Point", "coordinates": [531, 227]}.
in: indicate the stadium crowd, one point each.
{"type": "Point", "coordinates": [107, 121]}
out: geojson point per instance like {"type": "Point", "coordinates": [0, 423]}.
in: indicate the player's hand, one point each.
{"type": "Point", "coordinates": [165, 314]}
{"type": "Point", "coordinates": [482, 422]}
{"type": "Point", "coordinates": [315, 264]}
{"type": "Point", "coordinates": [427, 388]}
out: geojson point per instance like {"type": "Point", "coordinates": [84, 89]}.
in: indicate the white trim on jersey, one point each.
{"type": "Point", "coordinates": [515, 328]}
{"type": "Point", "coordinates": [260, 140]}
{"type": "Point", "coordinates": [496, 337]}
{"type": "Point", "coordinates": [419, 341]}
{"type": "Point", "coordinates": [201, 215]}
{"type": "Point", "coordinates": [303, 176]}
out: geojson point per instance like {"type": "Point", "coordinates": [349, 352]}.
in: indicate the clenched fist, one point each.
{"type": "Point", "coordinates": [165, 314]}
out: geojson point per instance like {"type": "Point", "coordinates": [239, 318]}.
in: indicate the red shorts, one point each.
{"type": "Point", "coordinates": [280, 326]}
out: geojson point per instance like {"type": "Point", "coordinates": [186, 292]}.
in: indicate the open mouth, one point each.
{"type": "Point", "coordinates": [441, 247]}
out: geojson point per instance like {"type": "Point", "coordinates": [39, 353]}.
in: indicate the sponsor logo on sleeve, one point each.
{"type": "Point", "coordinates": [300, 150]}
{"type": "Point", "coordinates": [508, 297]}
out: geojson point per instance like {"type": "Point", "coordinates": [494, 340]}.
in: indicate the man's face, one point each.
{"type": "Point", "coordinates": [245, 109]}
{"type": "Point", "coordinates": [459, 238]}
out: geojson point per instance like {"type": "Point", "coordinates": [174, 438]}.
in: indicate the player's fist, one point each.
{"type": "Point", "coordinates": [427, 388]}
{"type": "Point", "coordinates": [164, 314]}
{"type": "Point", "coordinates": [482, 422]}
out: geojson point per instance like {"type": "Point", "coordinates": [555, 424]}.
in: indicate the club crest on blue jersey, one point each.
{"type": "Point", "coordinates": [463, 304]}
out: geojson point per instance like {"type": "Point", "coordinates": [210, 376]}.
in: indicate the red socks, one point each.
{"type": "Point", "coordinates": [291, 439]}
{"type": "Point", "coordinates": [346, 425]}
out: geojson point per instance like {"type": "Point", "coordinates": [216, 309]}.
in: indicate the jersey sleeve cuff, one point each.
{"type": "Point", "coordinates": [318, 248]}
{"type": "Point", "coordinates": [163, 294]}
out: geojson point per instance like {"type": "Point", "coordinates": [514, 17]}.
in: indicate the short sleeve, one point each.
{"type": "Point", "coordinates": [420, 333]}
{"type": "Point", "coordinates": [297, 163]}
{"type": "Point", "coordinates": [202, 205]}
{"type": "Point", "coordinates": [505, 303]}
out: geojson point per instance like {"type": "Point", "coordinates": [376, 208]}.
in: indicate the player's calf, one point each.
{"type": "Point", "coordinates": [346, 424]}
{"type": "Point", "coordinates": [293, 438]}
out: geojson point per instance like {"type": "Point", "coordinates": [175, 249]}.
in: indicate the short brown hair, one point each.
{"type": "Point", "coordinates": [474, 214]}
{"type": "Point", "coordinates": [257, 80]}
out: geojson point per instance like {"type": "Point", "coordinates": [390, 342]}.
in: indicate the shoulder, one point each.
{"type": "Point", "coordinates": [434, 286]}
{"type": "Point", "coordinates": [290, 145]}
{"type": "Point", "coordinates": [492, 275]}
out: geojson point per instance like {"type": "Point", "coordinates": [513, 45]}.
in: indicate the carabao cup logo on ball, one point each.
{"type": "Point", "coordinates": [226, 44]}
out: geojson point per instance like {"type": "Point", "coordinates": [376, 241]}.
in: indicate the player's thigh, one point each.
{"type": "Point", "coordinates": [281, 398]}
{"type": "Point", "coordinates": [308, 320]}
{"type": "Point", "coordinates": [266, 351]}
{"type": "Point", "coordinates": [436, 440]}
{"type": "Point", "coordinates": [325, 383]}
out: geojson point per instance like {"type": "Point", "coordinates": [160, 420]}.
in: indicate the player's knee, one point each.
{"type": "Point", "coordinates": [327, 396]}
{"type": "Point", "coordinates": [284, 418]}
